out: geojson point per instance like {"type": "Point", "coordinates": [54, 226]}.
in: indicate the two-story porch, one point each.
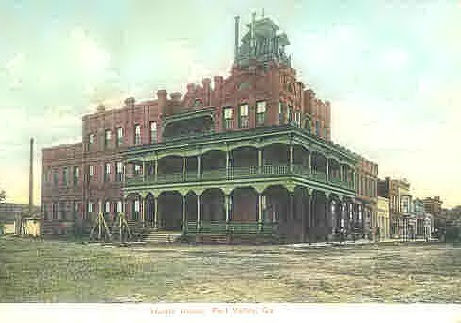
{"type": "Point", "coordinates": [277, 180]}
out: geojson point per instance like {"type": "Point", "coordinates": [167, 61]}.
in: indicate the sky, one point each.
{"type": "Point", "coordinates": [391, 70]}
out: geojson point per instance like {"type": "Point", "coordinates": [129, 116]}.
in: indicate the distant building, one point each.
{"type": "Point", "coordinates": [398, 193]}
{"type": "Point", "coordinates": [433, 205]}
{"type": "Point", "coordinates": [382, 217]}
{"type": "Point", "coordinates": [367, 192]}
{"type": "Point", "coordinates": [424, 220]}
{"type": "Point", "coordinates": [10, 213]}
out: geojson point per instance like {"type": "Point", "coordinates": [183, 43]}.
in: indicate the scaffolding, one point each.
{"type": "Point", "coordinates": [101, 225]}
{"type": "Point", "coordinates": [101, 231]}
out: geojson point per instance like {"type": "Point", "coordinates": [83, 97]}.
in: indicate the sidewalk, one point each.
{"type": "Point", "coordinates": [357, 242]}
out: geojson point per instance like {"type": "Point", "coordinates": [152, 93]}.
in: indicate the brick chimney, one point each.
{"type": "Point", "coordinates": [176, 96]}
{"type": "Point", "coordinates": [190, 87]}
{"type": "Point", "coordinates": [206, 84]}
{"type": "Point", "coordinates": [162, 99]}
{"type": "Point", "coordinates": [129, 102]}
{"type": "Point", "coordinates": [218, 81]}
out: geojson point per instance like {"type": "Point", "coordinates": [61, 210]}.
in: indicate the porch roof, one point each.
{"type": "Point", "coordinates": [254, 136]}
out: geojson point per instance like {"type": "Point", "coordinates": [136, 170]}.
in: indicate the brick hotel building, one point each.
{"type": "Point", "coordinates": [249, 155]}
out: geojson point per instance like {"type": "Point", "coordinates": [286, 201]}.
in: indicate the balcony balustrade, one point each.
{"type": "Point", "coordinates": [230, 227]}
{"type": "Point", "coordinates": [237, 173]}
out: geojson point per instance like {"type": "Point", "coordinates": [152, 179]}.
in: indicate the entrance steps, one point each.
{"type": "Point", "coordinates": [159, 237]}
{"type": "Point", "coordinates": [215, 239]}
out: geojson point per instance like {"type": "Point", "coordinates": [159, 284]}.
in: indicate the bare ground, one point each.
{"type": "Point", "coordinates": [53, 271]}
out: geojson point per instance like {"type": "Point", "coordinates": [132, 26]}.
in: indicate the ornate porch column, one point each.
{"type": "Point", "coordinates": [199, 207]}
{"type": "Point", "coordinates": [309, 216]}
{"type": "Point", "coordinates": [327, 216]}
{"type": "Point", "coordinates": [291, 158]}
{"type": "Point", "coordinates": [199, 167]}
{"type": "Point", "coordinates": [310, 162]}
{"type": "Point", "coordinates": [156, 213]}
{"type": "Point", "coordinates": [143, 210]}
{"type": "Point", "coordinates": [227, 198]}
{"type": "Point", "coordinates": [144, 173]}
{"type": "Point", "coordinates": [260, 211]}
{"type": "Point", "coordinates": [353, 180]}
{"type": "Point", "coordinates": [155, 169]}
{"type": "Point", "coordinates": [184, 159]}
{"type": "Point", "coordinates": [184, 220]}
{"type": "Point", "coordinates": [260, 160]}
{"type": "Point", "coordinates": [328, 170]}
{"type": "Point", "coordinates": [342, 210]}
{"type": "Point", "coordinates": [227, 163]}
{"type": "Point", "coordinates": [303, 222]}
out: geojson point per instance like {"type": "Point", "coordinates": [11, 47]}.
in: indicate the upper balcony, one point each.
{"type": "Point", "coordinates": [242, 173]}
{"type": "Point", "coordinates": [282, 153]}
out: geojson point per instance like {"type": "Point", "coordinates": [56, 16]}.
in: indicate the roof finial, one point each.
{"type": "Point", "coordinates": [263, 13]}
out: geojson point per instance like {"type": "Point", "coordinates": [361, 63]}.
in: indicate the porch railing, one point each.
{"type": "Point", "coordinates": [221, 227]}
{"type": "Point", "coordinates": [238, 173]}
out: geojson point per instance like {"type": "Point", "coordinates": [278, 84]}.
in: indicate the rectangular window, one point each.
{"type": "Point", "coordinates": [45, 212]}
{"type": "Point", "coordinates": [91, 171]}
{"type": "Point", "coordinates": [244, 119]}
{"type": "Point", "coordinates": [107, 173]}
{"type": "Point", "coordinates": [228, 117]}
{"type": "Point", "coordinates": [298, 119]}
{"type": "Point", "coordinates": [280, 113]}
{"type": "Point", "coordinates": [76, 175]}
{"type": "Point", "coordinates": [107, 138]}
{"type": "Point", "coordinates": [54, 211]}
{"type": "Point", "coordinates": [137, 169]}
{"type": "Point", "coordinates": [119, 171]}
{"type": "Point", "coordinates": [48, 175]}
{"type": "Point", "coordinates": [289, 114]}
{"type": "Point", "coordinates": [64, 176]}
{"type": "Point", "coordinates": [153, 132]}
{"type": "Point", "coordinates": [119, 136]}
{"type": "Point", "coordinates": [90, 207]}
{"type": "Point", "coordinates": [75, 211]}
{"type": "Point", "coordinates": [55, 178]}
{"type": "Point", "coordinates": [137, 134]}
{"type": "Point", "coordinates": [91, 140]}
{"type": "Point", "coordinates": [107, 207]}
{"type": "Point", "coordinates": [119, 206]}
{"type": "Point", "coordinates": [260, 113]}
{"type": "Point", "coordinates": [62, 211]}
{"type": "Point", "coordinates": [317, 128]}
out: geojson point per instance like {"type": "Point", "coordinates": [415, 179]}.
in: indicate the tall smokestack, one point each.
{"type": "Point", "coordinates": [31, 175]}
{"type": "Point", "coordinates": [236, 43]}
{"type": "Point", "coordinates": [252, 42]}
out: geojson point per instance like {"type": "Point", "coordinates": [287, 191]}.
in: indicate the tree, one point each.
{"type": "Point", "coordinates": [2, 196]}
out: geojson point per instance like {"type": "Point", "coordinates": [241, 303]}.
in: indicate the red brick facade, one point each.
{"type": "Point", "coordinates": [285, 100]}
